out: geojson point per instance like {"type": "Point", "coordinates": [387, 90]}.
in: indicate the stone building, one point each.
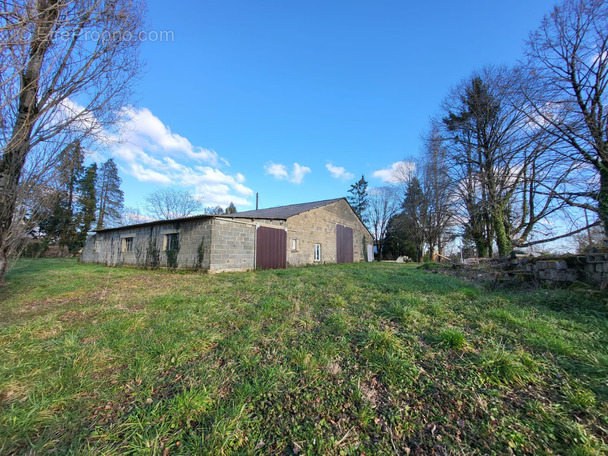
{"type": "Point", "coordinates": [310, 233]}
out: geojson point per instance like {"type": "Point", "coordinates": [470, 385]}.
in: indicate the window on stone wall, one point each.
{"type": "Point", "coordinates": [294, 245]}
{"type": "Point", "coordinates": [172, 241]}
{"type": "Point", "coordinates": [317, 255]}
{"type": "Point", "coordinates": [127, 244]}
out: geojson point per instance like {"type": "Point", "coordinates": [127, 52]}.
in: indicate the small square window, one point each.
{"type": "Point", "coordinates": [127, 244]}
{"type": "Point", "coordinates": [317, 255]}
{"type": "Point", "coordinates": [172, 241]}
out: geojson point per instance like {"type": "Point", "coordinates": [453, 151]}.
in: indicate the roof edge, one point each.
{"type": "Point", "coordinates": [231, 216]}
{"type": "Point", "coordinates": [157, 222]}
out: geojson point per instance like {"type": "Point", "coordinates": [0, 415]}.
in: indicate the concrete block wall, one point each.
{"type": "Point", "coordinates": [229, 244]}
{"type": "Point", "coordinates": [318, 226]}
{"type": "Point", "coordinates": [105, 247]}
{"type": "Point", "coordinates": [232, 245]}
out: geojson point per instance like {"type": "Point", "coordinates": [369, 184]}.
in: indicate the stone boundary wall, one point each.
{"type": "Point", "coordinates": [589, 268]}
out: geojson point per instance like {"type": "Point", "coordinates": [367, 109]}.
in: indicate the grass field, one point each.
{"type": "Point", "coordinates": [348, 359]}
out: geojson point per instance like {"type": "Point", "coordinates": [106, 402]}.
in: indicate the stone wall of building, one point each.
{"type": "Point", "coordinates": [318, 226]}
{"type": "Point", "coordinates": [232, 245]}
{"type": "Point", "coordinates": [225, 244]}
{"type": "Point", "coordinates": [110, 247]}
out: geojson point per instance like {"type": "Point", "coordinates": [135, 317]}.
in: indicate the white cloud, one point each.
{"type": "Point", "coordinates": [144, 129]}
{"type": "Point", "coordinates": [149, 151]}
{"type": "Point", "coordinates": [397, 172]}
{"type": "Point", "coordinates": [79, 117]}
{"type": "Point", "coordinates": [280, 172]}
{"type": "Point", "coordinates": [298, 173]}
{"type": "Point", "coordinates": [277, 170]}
{"type": "Point", "coordinates": [147, 175]}
{"type": "Point", "coordinates": [339, 172]}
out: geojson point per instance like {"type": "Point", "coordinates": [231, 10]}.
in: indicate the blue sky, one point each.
{"type": "Point", "coordinates": [296, 99]}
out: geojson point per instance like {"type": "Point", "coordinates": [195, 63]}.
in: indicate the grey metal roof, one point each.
{"type": "Point", "coordinates": [281, 212]}
{"type": "Point", "coordinates": [157, 222]}
{"type": "Point", "coordinates": [272, 213]}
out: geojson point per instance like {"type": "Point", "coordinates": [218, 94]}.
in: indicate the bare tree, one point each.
{"type": "Point", "coordinates": [567, 70]}
{"type": "Point", "coordinates": [497, 161]}
{"type": "Point", "coordinates": [169, 203]}
{"type": "Point", "coordinates": [592, 237]}
{"type": "Point", "coordinates": [133, 215]}
{"type": "Point", "coordinates": [438, 188]}
{"type": "Point", "coordinates": [214, 210]}
{"type": "Point", "coordinates": [66, 68]}
{"type": "Point", "coordinates": [382, 204]}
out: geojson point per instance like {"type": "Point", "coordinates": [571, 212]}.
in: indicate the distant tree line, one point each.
{"type": "Point", "coordinates": [517, 157]}
{"type": "Point", "coordinates": [78, 199]}
{"type": "Point", "coordinates": [171, 203]}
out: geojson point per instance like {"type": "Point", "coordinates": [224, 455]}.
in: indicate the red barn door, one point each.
{"type": "Point", "coordinates": [344, 244]}
{"type": "Point", "coordinates": [271, 248]}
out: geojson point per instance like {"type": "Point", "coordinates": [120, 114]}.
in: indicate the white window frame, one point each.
{"type": "Point", "coordinates": [317, 252]}
{"type": "Point", "coordinates": [294, 245]}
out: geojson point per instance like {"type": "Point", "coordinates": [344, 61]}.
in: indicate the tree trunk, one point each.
{"type": "Point", "coordinates": [431, 252]}
{"type": "Point", "coordinates": [3, 266]}
{"type": "Point", "coordinates": [602, 197]}
{"type": "Point", "coordinates": [15, 153]}
{"type": "Point", "coordinates": [481, 244]}
{"type": "Point", "coordinates": [500, 232]}
{"type": "Point", "coordinates": [419, 254]}
{"type": "Point", "coordinates": [10, 173]}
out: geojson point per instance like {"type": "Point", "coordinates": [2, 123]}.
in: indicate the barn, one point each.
{"type": "Point", "coordinates": [299, 234]}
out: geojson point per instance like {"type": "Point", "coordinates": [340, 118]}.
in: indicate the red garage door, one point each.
{"type": "Point", "coordinates": [271, 248]}
{"type": "Point", "coordinates": [344, 244]}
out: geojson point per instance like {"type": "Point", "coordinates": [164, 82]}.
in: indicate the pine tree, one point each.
{"type": "Point", "coordinates": [358, 197]}
{"type": "Point", "coordinates": [52, 223]}
{"type": "Point", "coordinates": [70, 173]}
{"type": "Point", "coordinates": [110, 197]}
{"type": "Point", "coordinates": [87, 204]}
{"type": "Point", "coordinates": [231, 209]}
{"type": "Point", "coordinates": [59, 225]}
{"type": "Point", "coordinates": [71, 170]}
{"type": "Point", "coordinates": [412, 220]}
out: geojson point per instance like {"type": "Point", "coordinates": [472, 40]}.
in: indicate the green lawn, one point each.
{"type": "Point", "coordinates": [348, 359]}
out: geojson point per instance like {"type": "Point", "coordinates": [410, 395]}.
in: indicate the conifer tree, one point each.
{"type": "Point", "coordinates": [87, 204]}
{"type": "Point", "coordinates": [110, 197]}
{"type": "Point", "coordinates": [231, 209]}
{"type": "Point", "coordinates": [59, 225]}
{"type": "Point", "coordinates": [358, 197]}
{"type": "Point", "coordinates": [412, 220]}
{"type": "Point", "coordinates": [71, 170]}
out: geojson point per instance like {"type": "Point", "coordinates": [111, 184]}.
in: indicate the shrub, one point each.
{"type": "Point", "coordinates": [200, 255]}
{"type": "Point", "coordinates": [152, 254]}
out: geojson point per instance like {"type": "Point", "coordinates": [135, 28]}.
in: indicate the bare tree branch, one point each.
{"type": "Point", "coordinates": [66, 69]}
